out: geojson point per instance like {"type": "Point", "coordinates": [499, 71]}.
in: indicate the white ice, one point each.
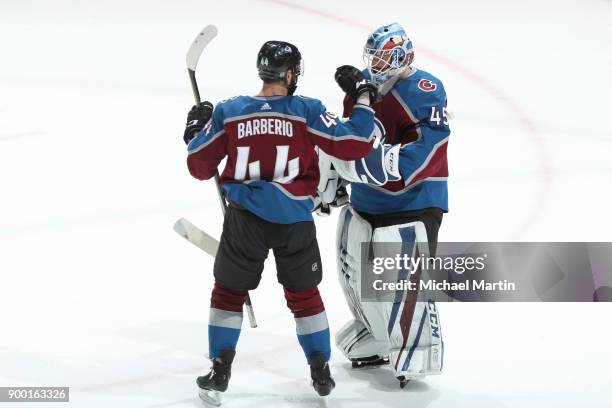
{"type": "Point", "coordinates": [97, 292]}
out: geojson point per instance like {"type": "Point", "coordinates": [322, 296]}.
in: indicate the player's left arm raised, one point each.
{"type": "Point", "coordinates": [206, 140]}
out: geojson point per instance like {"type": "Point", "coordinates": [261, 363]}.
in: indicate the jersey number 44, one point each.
{"type": "Point", "coordinates": [281, 165]}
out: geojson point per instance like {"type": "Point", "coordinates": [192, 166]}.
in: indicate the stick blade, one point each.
{"type": "Point", "coordinates": [196, 236]}
{"type": "Point", "coordinates": [197, 46]}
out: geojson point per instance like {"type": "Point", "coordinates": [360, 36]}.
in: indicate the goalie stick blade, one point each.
{"type": "Point", "coordinates": [196, 236]}
{"type": "Point", "coordinates": [197, 46]}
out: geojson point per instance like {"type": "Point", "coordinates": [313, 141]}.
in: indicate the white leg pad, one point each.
{"type": "Point", "coordinates": [355, 341]}
{"type": "Point", "coordinates": [406, 330]}
{"type": "Point", "coordinates": [421, 352]}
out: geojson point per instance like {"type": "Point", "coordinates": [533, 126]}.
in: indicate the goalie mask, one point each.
{"type": "Point", "coordinates": [387, 51]}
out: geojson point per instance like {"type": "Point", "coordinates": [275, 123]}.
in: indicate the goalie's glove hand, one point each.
{"type": "Point", "coordinates": [354, 84]}
{"type": "Point", "coordinates": [197, 118]}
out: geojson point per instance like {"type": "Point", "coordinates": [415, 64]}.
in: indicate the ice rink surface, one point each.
{"type": "Point", "coordinates": [99, 294]}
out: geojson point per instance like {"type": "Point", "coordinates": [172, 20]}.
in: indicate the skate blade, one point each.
{"type": "Point", "coordinates": [368, 365]}
{"type": "Point", "coordinates": [211, 397]}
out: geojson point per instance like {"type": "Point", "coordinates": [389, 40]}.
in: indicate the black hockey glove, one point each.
{"type": "Point", "coordinates": [354, 84]}
{"type": "Point", "coordinates": [347, 77]}
{"type": "Point", "coordinates": [197, 118]}
{"type": "Point", "coordinates": [369, 88]}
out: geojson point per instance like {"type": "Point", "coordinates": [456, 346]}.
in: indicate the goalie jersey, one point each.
{"type": "Point", "coordinates": [272, 167]}
{"type": "Point", "coordinates": [413, 113]}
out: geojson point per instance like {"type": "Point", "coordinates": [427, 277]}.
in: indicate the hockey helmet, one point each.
{"type": "Point", "coordinates": [387, 51]}
{"type": "Point", "coordinates": [275, 58]}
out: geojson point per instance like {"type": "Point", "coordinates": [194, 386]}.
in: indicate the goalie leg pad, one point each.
{"type": "Point", "coordinates": [417, 349]}
{"type": "Point", "coordinates": [356, 342]}
{"type": "Point", "coordinates": [356, 338]}
{"type": "Point", "coordinates": [407, 329]}
{"type": "Point", "coordinates": [415, 340]}
{"type": "Point", "coordinates": [351, 232]}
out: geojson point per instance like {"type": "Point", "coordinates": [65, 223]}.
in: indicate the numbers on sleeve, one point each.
{"type": "Point", "coordinates": [438, 116]}
{"type": "Point", "coordinates": [329, 119]}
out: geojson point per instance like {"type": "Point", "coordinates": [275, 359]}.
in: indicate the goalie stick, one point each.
{"type": "Point", "coordinates": [203, 38]}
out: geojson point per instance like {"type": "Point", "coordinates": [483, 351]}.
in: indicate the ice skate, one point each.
{"type": "Point", "coordinates": [217, 380]}
{"type": "Point", "coordinates": [321, 377]}
{"type": "Point", "coordinates": [403, 381]}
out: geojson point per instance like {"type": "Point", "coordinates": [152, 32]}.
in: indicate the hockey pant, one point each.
{"type": "Point", "coordinates": [245, 244]}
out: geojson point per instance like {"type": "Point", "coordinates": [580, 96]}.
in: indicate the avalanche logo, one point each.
{"type": "Point", "coordinates": [426, 85]}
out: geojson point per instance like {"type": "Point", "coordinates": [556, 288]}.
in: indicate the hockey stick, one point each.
{"type": "Point", "coordinates": [203, 38]}
{"type": "Point", "coordinates": [196, 236]}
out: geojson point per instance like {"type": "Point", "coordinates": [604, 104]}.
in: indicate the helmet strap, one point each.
{"type": "Point", "coordinates": [291, 86]}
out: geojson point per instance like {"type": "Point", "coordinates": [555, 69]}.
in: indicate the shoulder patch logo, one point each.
{"type": "Point", "coordinates": [426, 85]}
{"type": "Point", "coordinates": [265, 106]}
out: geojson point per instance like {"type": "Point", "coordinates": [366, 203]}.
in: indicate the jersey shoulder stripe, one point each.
{"type": "Point", "coordinates": [292, 107]}
{"type": "Point", "coordinates": [419, 89]}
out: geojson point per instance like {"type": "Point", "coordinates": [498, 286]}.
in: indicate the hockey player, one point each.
{"type": "Point", "coordinates": [270, 182]}
{"type": "Point", "coordinates": [407, 208]}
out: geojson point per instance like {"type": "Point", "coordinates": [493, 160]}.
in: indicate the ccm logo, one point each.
{"type": "Point", "coordinates": [433, 319]}
{"type": "Point", "coordinates": [426, 85]}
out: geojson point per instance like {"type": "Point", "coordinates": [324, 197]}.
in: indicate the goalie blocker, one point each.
{"type": "Point", "coordinates": [378, 167]}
